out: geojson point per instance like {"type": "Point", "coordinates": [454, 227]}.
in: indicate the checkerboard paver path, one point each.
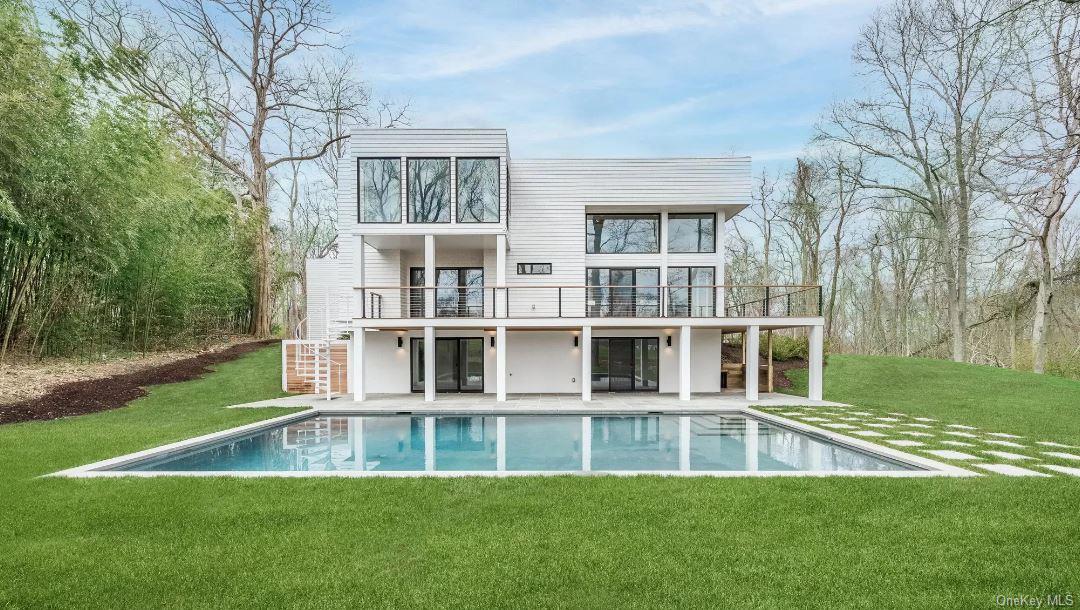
{"type": "Point", "coordinates": [994, 452]}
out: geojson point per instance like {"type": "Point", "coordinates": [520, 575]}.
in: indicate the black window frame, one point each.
{"type": "Point", "coordinates": [633, 376]}
{"type": "Point", "coordinates": [689, 288]}
{"type": "Point", "coordinates": [635, 290]}
{"type": "Point", "coordinates": [685, 215]}
{"type": "Point", "coordinates": [462, 309]}
{"type": "Point", "coordinates": [457, 195]}
{"type": "Point", "coordinates": [449, 191]}
{"type": "Point", "coordinates": [360, 192]}
{"type": "Point", "coordinates": [659, 231]}
{"type": "Point", "coordinates": [521, 269]}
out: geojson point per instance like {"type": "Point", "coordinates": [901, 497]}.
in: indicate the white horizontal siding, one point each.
{"type": "Point", "coordinates": [709, 181]}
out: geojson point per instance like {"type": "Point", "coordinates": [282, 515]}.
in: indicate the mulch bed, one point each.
{"type": "Point", "coordinates": [93, 395]}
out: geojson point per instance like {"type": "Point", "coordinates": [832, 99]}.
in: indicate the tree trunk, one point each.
{"type": "Point", "coordinates": [262, 309]}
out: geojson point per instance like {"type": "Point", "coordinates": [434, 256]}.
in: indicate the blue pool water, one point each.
{"type": "Point", "coordinates": [534, 443]}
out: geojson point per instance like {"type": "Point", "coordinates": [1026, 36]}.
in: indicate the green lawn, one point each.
{"type": "Point", "coordinates": [563, 541]}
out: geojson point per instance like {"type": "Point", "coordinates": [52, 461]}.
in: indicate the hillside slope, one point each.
{"type": "Point", "coordinates": [1021, 402]}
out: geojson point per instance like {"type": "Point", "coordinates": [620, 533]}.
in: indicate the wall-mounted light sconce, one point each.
{"type": "Point", "coordinates": [669, 340]}
{"type": "Point", "coordinates": [575, 340]}
{"type": "Point", "coordinates": [400, 342]}
{"type": "Point", "coordinates": [493, 341]}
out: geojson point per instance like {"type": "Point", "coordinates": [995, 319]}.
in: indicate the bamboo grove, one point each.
{"type": "Point", "coordinates": [112, 235]}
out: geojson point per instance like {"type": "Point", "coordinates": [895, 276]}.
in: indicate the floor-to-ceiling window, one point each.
{"type": "Point", "coordinates": [459, 364]}
{"type": "Point", "coordinates": [625, 364]}
{"type": "Point", "coordinates": [622, 292]}
{"type": "Point", "coordinates": [691, 292]}
{"type": "Point", "coordinates": [459, 292]}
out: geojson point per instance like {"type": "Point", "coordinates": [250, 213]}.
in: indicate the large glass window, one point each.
{"type": "Point", "coordinates": [691, 291]}
{"type": "Point", "coordinates": [691, 233]}
{"type": "Point", "coordinates": [478, 190]}
{"type": "Point", "coordinates": [622, 233]}
{"type": "Point", "coordinates": [429, 190]}
{"type": "Point", "coordinates": [459, 292]}
{"type": "Point", "coordinates": [625, 364]}
{"type": "Point", "coordinates": [622, 292]}
{"type": "Point", "coordinates": [379, 189]}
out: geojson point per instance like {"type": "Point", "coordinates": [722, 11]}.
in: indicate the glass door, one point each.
{"type": "Point", "coordinates": [459, 364]}
{"type": "Point", "coordinates": [621, 365]}
{"type": "Point", "coordinates": [416, 364]}
{"type": "Point", "coordinates": [446, 365]}
{"type": "Point", "coordinates": [471, 365]}
{"type": "Point", "coordinates": [626, 364]}
{"type": "Point", "coordinates": [416, 294]}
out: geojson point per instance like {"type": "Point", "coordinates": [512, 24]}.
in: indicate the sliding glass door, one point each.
{"type": "Point", "coordinates": [626, 364]}
{"type": "Point", "coordinates": [459, 364]}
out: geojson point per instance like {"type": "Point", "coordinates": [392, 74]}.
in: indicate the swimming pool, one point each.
{"type": "Point", "coordinates": [409, 444]}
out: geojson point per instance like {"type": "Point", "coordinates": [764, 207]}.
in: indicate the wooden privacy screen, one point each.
{"type": "Point", "coordinates": [299, 369]}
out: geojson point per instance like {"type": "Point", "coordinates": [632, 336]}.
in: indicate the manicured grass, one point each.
{"type": "Point", "coordinates": [999, 400]}
{"type": "Point", "coordinates": [564, 541]}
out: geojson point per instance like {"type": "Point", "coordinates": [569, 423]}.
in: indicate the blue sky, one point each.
{"type": "Point", "coordinates": [581, 78]}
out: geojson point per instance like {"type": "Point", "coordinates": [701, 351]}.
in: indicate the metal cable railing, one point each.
{"type": "Point", "coordinates": [577, 301]}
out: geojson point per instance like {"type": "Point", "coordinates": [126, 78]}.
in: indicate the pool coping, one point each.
{"type": "Point", "coordinates": [928, 467]}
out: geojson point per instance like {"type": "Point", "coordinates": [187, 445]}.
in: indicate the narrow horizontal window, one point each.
{"type": "Point", "coordinates": [429, 190]}
{"type": "Point", "coordinates": [691, 233]}
{"type": "Point", "coordinates": [622, 233]}
{"type": "Point", "coordinates": [379, 190]}
{"type": "Point", "coordinates": [477, 190]}
{"type": "Point", "coordinates": [534, 268]}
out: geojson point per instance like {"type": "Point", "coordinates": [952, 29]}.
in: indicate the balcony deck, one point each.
{"type": "Point", "coordinates": [779, 306]}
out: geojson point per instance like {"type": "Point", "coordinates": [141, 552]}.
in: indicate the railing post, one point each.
{"type": "Point", "coordinates": [820, 311]}
{"type": "Point", "coordinates": [363, 303]}
{"type": "Point", "coordinates": [560, 301]}
{"type": "Point", "coordinates": [765, 312]}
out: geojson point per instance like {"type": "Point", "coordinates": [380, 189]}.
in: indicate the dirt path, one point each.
{"type": "Point", "coordinates": [92, 395]}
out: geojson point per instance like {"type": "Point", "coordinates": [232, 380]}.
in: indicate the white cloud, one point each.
{"type": "Point", "coordinates": [515, 43]}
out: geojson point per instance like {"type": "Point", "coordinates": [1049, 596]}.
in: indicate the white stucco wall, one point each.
{"type": "Point", "coordinates": [543, 361]}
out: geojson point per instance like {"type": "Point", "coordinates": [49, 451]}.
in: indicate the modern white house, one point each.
{"type": "Point", "coordinates": [461, 269]}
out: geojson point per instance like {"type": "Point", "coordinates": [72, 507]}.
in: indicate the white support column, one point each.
{"type": "Point", "coordinates": [750, 348]}
{"type": "Point", "coordinates": [586, 363]}
{"type": "Point", "coordinates": [685, 372]}
{"type": "Point", "coordinates": [665, 293]}
{"type": "Point", "coordinates": [429, 278]}
{"type": "Point", "coordinates": [500, 301]}
{"type": "Point", "coordinates": [356, 441]}
{"type": "Point", "coordinates": [429, 363]}
{"type": "Point", "coordinates": [586, 443]}
{"type": "Point", "coordinates": [817, 356]}
{"type": "Point", "coordinates": [285, 363]}
{"type": "Point", "coordinates": [357, 279]}
{"type": "Point", "coordinates": [684, 443]}
{"type": "Point", "coordinates": [500, 443]}
{"type": "Point", "coordinates": [429, 444]}
{"type": "Point", "coordinates": [359, 385]}
{"type": "Point", "coordinates": [751, 444]}
{"type": "Point", "coordinates": [720, 269]}
{"type": "Point", "coordinates": [500, 364]}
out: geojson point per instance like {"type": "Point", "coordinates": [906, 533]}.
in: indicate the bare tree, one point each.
{"type": "Point", "coordinates": [933, 126]}
{"type": "Point", "coordinates": [840, 172]}
{"type": "Point", "coordinates": [231, 76]}
{"type": "Point", "coordinates": [1049, 146]}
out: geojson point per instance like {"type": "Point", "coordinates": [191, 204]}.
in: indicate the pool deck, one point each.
{"type": "Point", "coordinates": [532, 403]}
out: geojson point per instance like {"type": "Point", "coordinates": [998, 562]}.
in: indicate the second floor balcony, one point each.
{"type": "Point", "coordinates": [579, 301]}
